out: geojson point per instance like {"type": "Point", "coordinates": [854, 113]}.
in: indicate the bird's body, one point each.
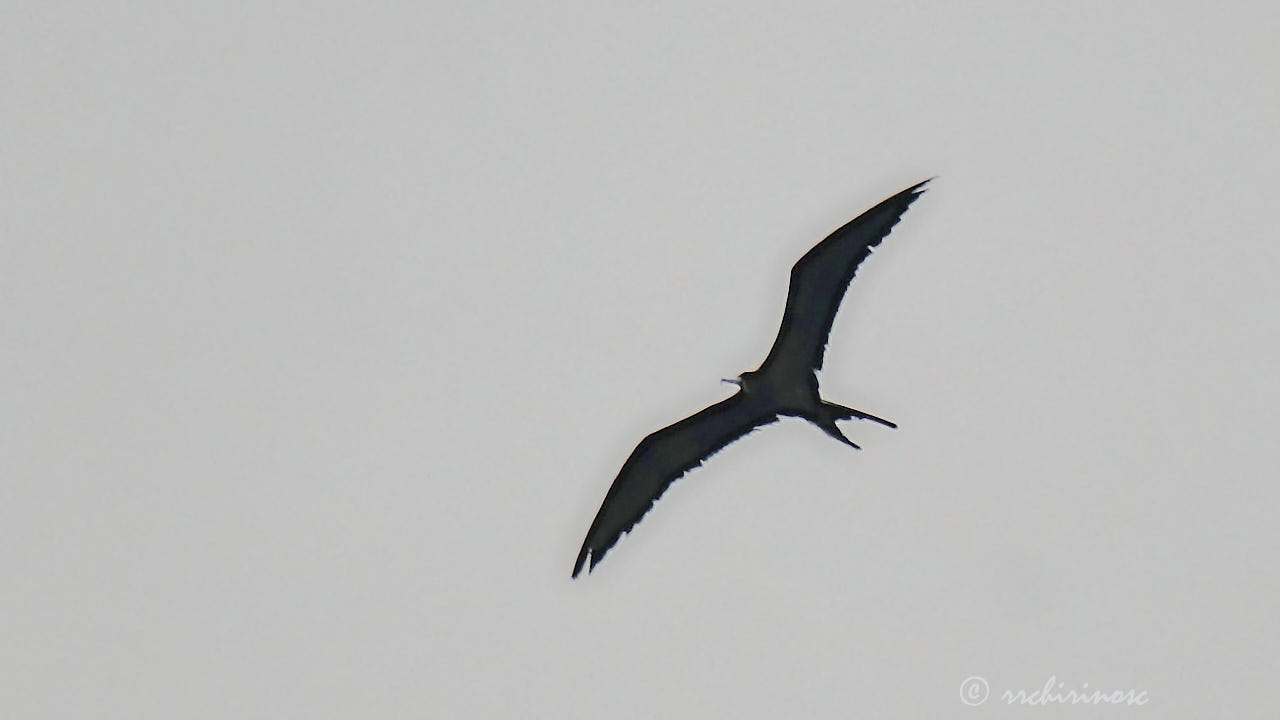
{"type": "Point", "coordinates": [785, 384]}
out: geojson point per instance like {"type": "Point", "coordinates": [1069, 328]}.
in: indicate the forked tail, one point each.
{"type": "Point", "coordinates": [832, 412]}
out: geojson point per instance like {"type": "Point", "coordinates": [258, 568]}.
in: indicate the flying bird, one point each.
{"type": "Point", "coordinates": [785, 384]}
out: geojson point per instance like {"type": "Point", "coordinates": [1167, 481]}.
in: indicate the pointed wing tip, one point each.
{"type": "Point", "coordinates": [919, 188]}
{"type": "Point", "coordinates": [904, 199]}
{"type": "Point", "coordinates": [595, 554]}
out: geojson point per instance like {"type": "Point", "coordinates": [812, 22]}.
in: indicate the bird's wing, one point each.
{"type": "Point", "coordinates": [819, 280]}
{"type": "Point", "coordinates": [661, 458]}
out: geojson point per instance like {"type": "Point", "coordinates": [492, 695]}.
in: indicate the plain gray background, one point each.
{"type": "Point", "coordinates": [326, 327]}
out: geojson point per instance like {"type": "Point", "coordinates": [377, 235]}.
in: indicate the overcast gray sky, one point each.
{"type": "Point", "coordinates": [326, 327]}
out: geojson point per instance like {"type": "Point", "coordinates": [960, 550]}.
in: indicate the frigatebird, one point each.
{"type": "Point", "coordinates": [785, 384]}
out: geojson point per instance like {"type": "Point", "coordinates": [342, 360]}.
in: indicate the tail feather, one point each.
{"type": "Point", "coordinates": [840, 412]}
{"type": "Point", "coordinates": [829, 427]}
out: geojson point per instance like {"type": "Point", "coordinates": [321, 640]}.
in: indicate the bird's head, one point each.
{"type": "Point", "coordinates": [745, 381]}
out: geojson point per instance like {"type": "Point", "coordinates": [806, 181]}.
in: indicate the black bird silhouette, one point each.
{"type": "Point", "coordinates": [784, 384]}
